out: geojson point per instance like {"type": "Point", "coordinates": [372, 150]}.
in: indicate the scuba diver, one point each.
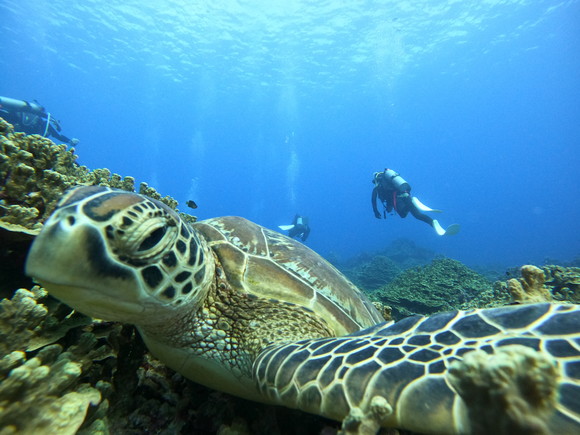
{"type": "Point", "coordinates": [394, 193]}
{"type": "Point", "coordinates": [31, 118]}
{"type": "Point", "coordinates": [298, 229]}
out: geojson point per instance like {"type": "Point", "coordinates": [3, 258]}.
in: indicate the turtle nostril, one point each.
{"type": "Point", "coordinates": [70, 220]}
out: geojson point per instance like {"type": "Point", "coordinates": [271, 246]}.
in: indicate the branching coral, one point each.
{"type": "Point", "coordinates": [32, 319]}
{"type": "Point", "coordinates": [42, 394]}
{"type": "Point", "coordinates": [40, 385]}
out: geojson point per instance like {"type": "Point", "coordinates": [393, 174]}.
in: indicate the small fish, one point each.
{"type": "Point", "coordinates": [191, 204]}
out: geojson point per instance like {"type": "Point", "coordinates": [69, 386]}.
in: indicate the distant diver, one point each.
{"type": "Point", "coordinates": [31, 118]}
{"type": "Point", "coordinates": [298, 229]}
{"type": "Point", "coordinates": [395, 194]}
{"type": "Point", "coordinates": [191, 204]}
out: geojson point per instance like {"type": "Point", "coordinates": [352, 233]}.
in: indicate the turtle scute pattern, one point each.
{"type": "Point", "coordinates": [267, 264]}
{"type": "Point", "coordinates": [412, 364]}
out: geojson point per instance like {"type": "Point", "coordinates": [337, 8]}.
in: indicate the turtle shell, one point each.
{"type": "Point", "coordinates": [269, 265]}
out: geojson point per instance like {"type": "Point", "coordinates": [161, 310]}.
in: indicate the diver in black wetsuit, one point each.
{"type": "Point", "coordinates": [395, 194]}
{"type": "Point", "coordinates": [298, 229]}
{"type": "Point", "coordinates": [32, 118]}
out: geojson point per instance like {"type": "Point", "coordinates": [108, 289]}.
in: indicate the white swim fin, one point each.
{"type": "Point", "coordinates": [450, 231]}
{"type": "Point", "coordinates": [423, 207]}
{"type": "Point", "coordinates": [285, 227]}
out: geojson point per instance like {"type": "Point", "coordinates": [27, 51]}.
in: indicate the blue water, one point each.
{"type": "Point", "coordinates": [267, 108]}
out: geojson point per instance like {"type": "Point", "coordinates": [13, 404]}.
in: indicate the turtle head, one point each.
{"type": "Point", "coordinates": [120, 256]}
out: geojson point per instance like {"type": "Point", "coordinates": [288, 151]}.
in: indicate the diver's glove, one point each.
{"type": "Point", "coordinates": [74, 141]}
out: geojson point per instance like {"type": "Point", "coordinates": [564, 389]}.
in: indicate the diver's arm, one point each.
{"type": "Point", "coordinates": [374, 202]}
{"type": "Point", "coordinates": [61, 137]}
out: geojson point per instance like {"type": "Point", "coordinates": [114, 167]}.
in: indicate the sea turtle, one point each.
{"type": "Point", "coordinates": [248, 311]}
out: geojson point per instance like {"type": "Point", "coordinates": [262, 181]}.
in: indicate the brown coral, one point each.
{"type": "Point", "coordinates": [369, 423]}
{"type": "Point", "coordinates": [40, 384]}
{"type": "Point", "coordinates": [530, 288]}
{"type": "Point", "coordinates": [58, 403]}
{"type": "Point", "coordinates": [564, 282]}
{"type": "Point", "coordinates": [385, 310]}
{"type": "Point", "coordinates": [32, 319]}
{"type": "Point", "coordinates": [34, 173]}
{"type": "Point", "coordinates": [513, 391]}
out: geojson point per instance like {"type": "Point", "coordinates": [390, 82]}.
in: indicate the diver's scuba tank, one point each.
{"type": "Point", "coordinates": [14, 105]}
{"type": "Point", "coordinates": [397, 181]}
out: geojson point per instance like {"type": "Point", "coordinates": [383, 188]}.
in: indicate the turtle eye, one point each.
{"type": "Point", "coordinates": [143, 242]}
{"type": "Point", "coordinates": [152, 239]}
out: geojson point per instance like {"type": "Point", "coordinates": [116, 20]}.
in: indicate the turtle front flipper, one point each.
{"type": "Point", "coordinates": [503, 370]}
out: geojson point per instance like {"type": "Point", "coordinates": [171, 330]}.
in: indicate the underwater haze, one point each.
{"type": "Point", "coordinates": [267, 108]}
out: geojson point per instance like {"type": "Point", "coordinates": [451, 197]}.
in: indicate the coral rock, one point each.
{"type": "Point", "coordinates": [513, 391]}
{"type": "Point", "coordinates": [564, 282]}
{"type": "Point", "coordinates": [443, 285]}
{"type": "Point", "coordinates": [530, 288]}
{"type": "Point", "coordinates": [34, 173]}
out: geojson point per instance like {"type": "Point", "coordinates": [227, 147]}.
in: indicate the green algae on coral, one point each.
{"type": "Point", "coordinates": [373, 274]}
{"type": "Point", "coordinates": [443, 285]}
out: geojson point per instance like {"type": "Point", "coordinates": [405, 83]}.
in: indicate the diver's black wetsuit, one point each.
{"type": "Point", "coordinates": [31, 118]}
{"type": "Point", "coordinates": [395, 193]}
{"type": "Point", "coordinates": [300, 229]}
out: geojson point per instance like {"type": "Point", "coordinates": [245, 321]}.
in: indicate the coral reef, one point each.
{"type": "Point", "coordinates": [511, 391]}
{"type": "Point", "coordinates": [407, 254]}
{"type": "Point", "coordinates": [564, 282]}
{"type": "Point", "coordinates": [374, 274]}
{"type": "Point", "coordinates": [371, 272]}
{"type": "Point", "coordinates": [403, 254]}
{"type": "Point", "coordinates": [42, 387]}
{"type": "Point", "coordinates": [443, 285]}
{"type": "Point", "coordinates": [549, 283]}
{"type": "Point", "coordinates": [26, 324]}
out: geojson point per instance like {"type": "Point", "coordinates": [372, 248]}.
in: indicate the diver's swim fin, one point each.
{"type": "Point", "coordinates": [285, 227]}
{"type": "Point", "coordinates": [450, 231]}
{"type": "Point", "coordinates": [423, 207]}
